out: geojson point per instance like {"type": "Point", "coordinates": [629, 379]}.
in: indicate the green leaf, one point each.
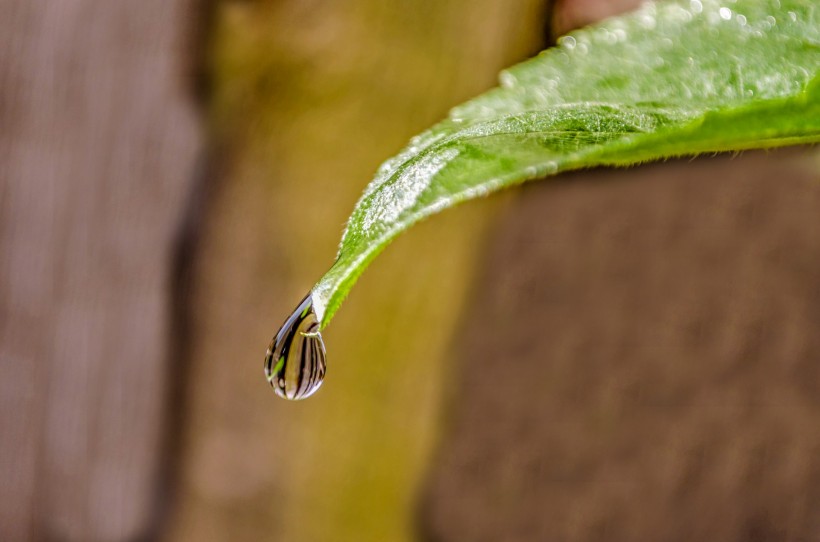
{"type": "Point", "coordinates": [672, 79]}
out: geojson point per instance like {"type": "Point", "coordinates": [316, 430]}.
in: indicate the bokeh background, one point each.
{"type": "Point", "coordinates": [613, 355]}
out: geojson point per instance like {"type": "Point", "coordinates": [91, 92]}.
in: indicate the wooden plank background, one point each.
{"type": "Point", "coordinates": [641, 361]}
{"type": "Point", "coordinates": [98, 139]}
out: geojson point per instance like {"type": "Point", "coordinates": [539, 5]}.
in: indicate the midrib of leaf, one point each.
{"type": "Point", "coordinates": [676, 80]}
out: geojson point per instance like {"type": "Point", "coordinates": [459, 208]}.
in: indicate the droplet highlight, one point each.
{"type": "Point", "coordinates": [296, 359]}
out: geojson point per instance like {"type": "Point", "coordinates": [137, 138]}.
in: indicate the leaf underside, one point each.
{"type": "Point", "coordinates": [671, 79]}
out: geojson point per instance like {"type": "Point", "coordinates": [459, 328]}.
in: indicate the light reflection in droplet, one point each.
{"type": "Point", "coordinates": [568, 42]}
{"type": "Point", "coordinates": [648, 21]}
{"type": "Point", "coordinates": [507, 79]}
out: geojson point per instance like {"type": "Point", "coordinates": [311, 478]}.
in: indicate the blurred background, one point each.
{"type": "Point", "coordinates": [612, 355]}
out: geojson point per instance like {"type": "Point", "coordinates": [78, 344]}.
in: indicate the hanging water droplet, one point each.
{"type": "Point", "coordinates": [295, 362]}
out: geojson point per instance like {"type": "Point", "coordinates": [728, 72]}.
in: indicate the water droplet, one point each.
{"type": "Point", "coordinates": [507, 79]}
{"type": "Point", "coordinates": [296, 360]}
{"type": "Point", "coordinates": [568, 42]}
{"type": "Point", "coordinates": [648, 21]}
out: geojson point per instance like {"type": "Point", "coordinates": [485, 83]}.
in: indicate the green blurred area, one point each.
{"type": "Point", "coordinates": [307, 99]}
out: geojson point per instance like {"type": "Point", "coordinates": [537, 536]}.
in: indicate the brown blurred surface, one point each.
{"type": "Point", "coordinates": [97, 143]}
{"type": "Point", "coordinates": [641, 361]}
{"type": "Point", "coordinates": [572, 14]}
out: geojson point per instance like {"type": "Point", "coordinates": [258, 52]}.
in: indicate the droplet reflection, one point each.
{"type": "Point", "coordinates": [295, 362]}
